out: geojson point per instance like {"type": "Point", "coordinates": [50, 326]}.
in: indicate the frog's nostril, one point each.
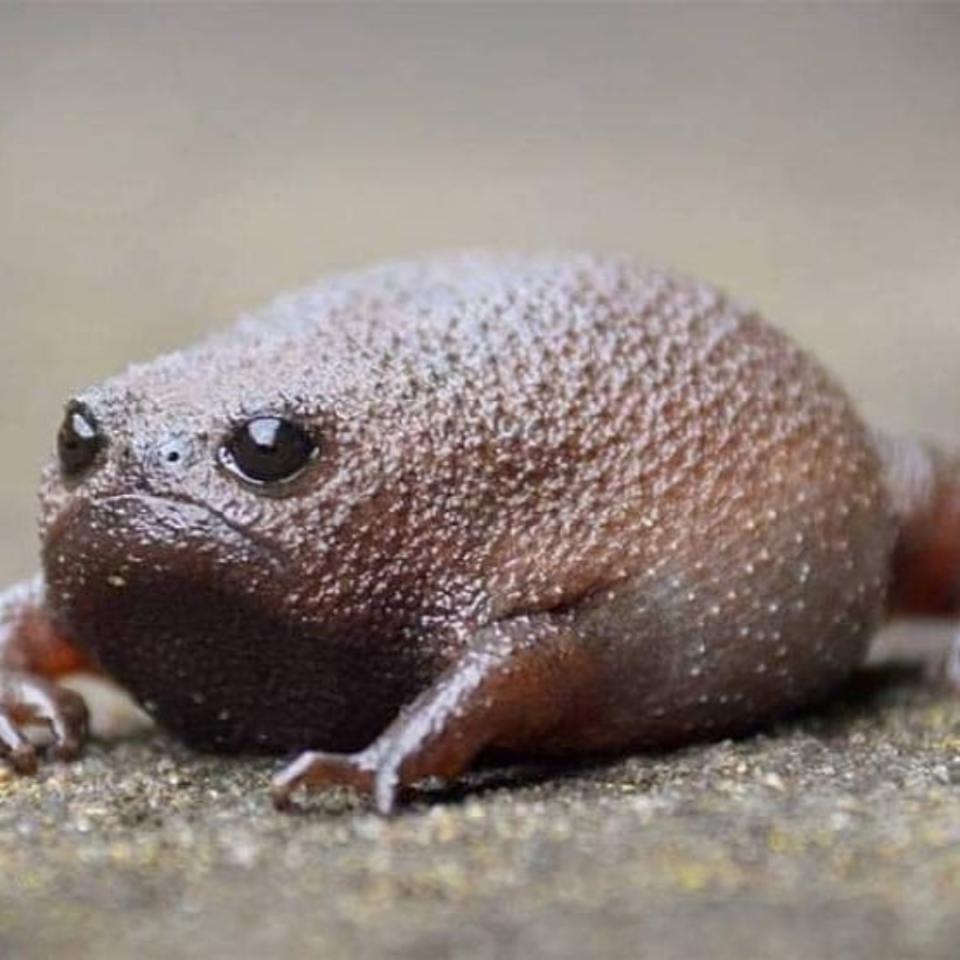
{"type": "Point", "coordinates": [79, 441]}
{"type": "Point", "coordinates": [175, 453]}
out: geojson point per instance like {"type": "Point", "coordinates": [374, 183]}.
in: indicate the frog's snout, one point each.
{"type": "Point", "coordinates": [86, 446]}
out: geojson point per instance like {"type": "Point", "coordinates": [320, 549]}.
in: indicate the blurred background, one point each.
{"type": "Point", "coordinates": [164, 166]}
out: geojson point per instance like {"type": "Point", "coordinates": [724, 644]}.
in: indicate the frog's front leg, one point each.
{"type": "Point", "coordinates": [33, 655]}
{"type": "Point", "coordinates": [516, 687]}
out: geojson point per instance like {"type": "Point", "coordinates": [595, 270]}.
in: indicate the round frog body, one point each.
{"type": "Point", "coordinates": [546, 506]}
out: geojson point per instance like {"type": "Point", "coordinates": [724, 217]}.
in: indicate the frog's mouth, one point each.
{"type": "Point", "coordinates": [193, 616]}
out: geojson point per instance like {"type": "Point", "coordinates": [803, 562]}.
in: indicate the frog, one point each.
{"type": "Point", "coordinates": [542, 506]}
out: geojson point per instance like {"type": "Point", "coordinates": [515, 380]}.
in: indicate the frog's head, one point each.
{"type": "Point", "coordinates": [223, 549]}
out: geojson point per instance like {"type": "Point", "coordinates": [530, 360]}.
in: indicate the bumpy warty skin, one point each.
{"type": "Point", "coordinates": [498, 436]}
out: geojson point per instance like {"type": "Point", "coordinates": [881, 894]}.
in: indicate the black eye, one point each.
{"type": "Point", "coordinates": [79, 440]}
{"type": "Point", "coordinates": [268, 450]}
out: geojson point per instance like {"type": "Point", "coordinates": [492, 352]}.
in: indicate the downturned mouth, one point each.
{"type": "Point", "coordinates": [171, 515]}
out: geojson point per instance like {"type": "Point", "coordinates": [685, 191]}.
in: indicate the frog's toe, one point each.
{"type": "Point", "coordinates": [69, 722]}
{"type": "Point", "coordinates": [316, 771]}
{"type": "Point", "coordinates": [15, 747]}
{"type": "Point", "coordinates": [387, 786]}
{"type": "Point", "coordinates": [26, 700]}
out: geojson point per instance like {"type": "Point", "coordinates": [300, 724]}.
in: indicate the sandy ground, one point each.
{"type": "Point", "coordinates": [836, 835]}
{"type": "Point", "coordinates": [163, 167]}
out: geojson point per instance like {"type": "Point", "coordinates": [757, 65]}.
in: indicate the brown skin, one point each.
{"type": "Point", "coordinates": [555, 507]}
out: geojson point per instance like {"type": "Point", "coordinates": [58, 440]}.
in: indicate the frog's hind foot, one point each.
{"type": "Point", "coordinates": [924, 487]}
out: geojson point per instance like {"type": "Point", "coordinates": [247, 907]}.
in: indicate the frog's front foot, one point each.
{"type": "Point", "coordinates": [27, 700]}
{"type": "Point", "coordinates": [318, 770]}
{"type": "Point", "coordinates": [515, 683]}
{"type": "Point", "coordinates": [379, 772]}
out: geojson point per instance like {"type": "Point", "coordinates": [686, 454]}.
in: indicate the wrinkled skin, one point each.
{"type": "Point", "coordinates": [557, 506]}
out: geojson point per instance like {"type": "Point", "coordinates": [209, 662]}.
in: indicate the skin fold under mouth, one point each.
{"type": "Point", "coordinates": [193, 617]}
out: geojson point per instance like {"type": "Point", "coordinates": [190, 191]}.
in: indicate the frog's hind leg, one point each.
{"type": "Point", "coordinates": [924, 485]}
{"type": "Point", "coordinates": [520, 685]}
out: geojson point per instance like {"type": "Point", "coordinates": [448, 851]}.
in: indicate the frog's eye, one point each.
{"type": "Point", "coordinates": [268, 450]}
{"type": "Point", "coordinates": [79, 440]}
